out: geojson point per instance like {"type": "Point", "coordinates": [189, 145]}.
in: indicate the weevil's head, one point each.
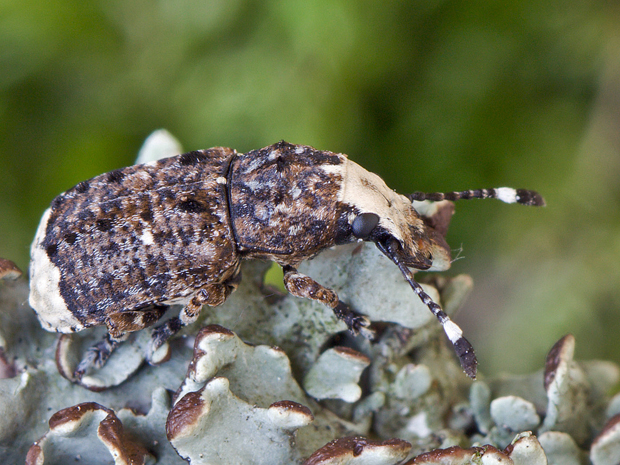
{"type": "Point", "coordinates": [414, 232]}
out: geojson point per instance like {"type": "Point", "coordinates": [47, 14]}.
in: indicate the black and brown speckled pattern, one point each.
{"type": "Point", "coordinates": [284, 204]}
{"type": "Point", "coordinates": [118, 248]}
{"type": "Point", "coordinates": [143, 235]}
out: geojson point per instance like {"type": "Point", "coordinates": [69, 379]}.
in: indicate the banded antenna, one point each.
{"type": "Point", "coordinates": [462, 347]}
{"type": "Point", "coordinates": [505, 194]}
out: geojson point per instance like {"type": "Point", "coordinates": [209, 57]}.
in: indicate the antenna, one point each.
{"type": "Point", "coordinates": [462, 347]}
{"type": "Point", "coordinates": [505, 194]}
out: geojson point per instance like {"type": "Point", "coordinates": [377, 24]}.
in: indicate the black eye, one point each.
{"type": "Point", "coordinates": [364, 224]}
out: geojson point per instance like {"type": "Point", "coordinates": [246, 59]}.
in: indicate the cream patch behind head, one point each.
{"type": "Point", "coordinates": [368, 193]}
{"type": "Point", "coordinates": [45, 297]}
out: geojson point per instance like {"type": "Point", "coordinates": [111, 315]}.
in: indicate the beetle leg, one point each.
{"type": "Point", "coordinates": [97, 355]}
{"type": "Point", "coordinates": [304, 286]}
{"type": "Point", "coordinates": [135, 320]}
{"type": "Point", "coordinates": [119, 326]}
{"type": "Point", "coordinates": [211, 295]}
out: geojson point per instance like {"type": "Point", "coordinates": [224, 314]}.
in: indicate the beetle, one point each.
{"type": "Point", "coordinates": [120, 248]}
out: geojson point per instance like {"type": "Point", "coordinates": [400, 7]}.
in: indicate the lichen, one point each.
{"type": "Point", "coordinates": [273, 379]}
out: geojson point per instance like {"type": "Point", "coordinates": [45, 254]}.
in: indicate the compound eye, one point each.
{"type": "Point", "coordinates": [364, 224]}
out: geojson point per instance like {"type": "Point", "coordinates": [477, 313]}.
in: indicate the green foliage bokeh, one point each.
{"type": "Point", "coordinates": [431, 95]}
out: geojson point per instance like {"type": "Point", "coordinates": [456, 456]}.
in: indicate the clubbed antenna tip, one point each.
{"type": "Point", "coordinates": [532, 198]}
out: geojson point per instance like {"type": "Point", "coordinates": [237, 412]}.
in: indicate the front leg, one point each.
{"type": "Point", "coordinates": [304, 286]}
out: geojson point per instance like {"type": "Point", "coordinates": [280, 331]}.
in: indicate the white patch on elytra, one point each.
{"type": "Point", "coordinates": [45, 297]}
{"type": "Point", "coordinates": [294, 230]}
{"type": "Point", "coordinates": [147, 237]}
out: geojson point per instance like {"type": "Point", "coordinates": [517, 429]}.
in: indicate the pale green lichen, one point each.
{"type": "Point", "coordinates": [336, 374]}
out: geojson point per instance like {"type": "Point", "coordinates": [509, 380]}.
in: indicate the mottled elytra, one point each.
{"type": "Point", "coordinates": [118, 249]}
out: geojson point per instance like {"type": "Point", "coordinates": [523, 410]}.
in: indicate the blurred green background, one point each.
{"type": "Point", "coordinates": [431, 95]}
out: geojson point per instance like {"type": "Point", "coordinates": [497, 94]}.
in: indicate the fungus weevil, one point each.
{"type": "Point", "coordinates": [116, 250]}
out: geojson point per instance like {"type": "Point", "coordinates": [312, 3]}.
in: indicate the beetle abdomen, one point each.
{"type": "Point", "coordinates": [133, 237]}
